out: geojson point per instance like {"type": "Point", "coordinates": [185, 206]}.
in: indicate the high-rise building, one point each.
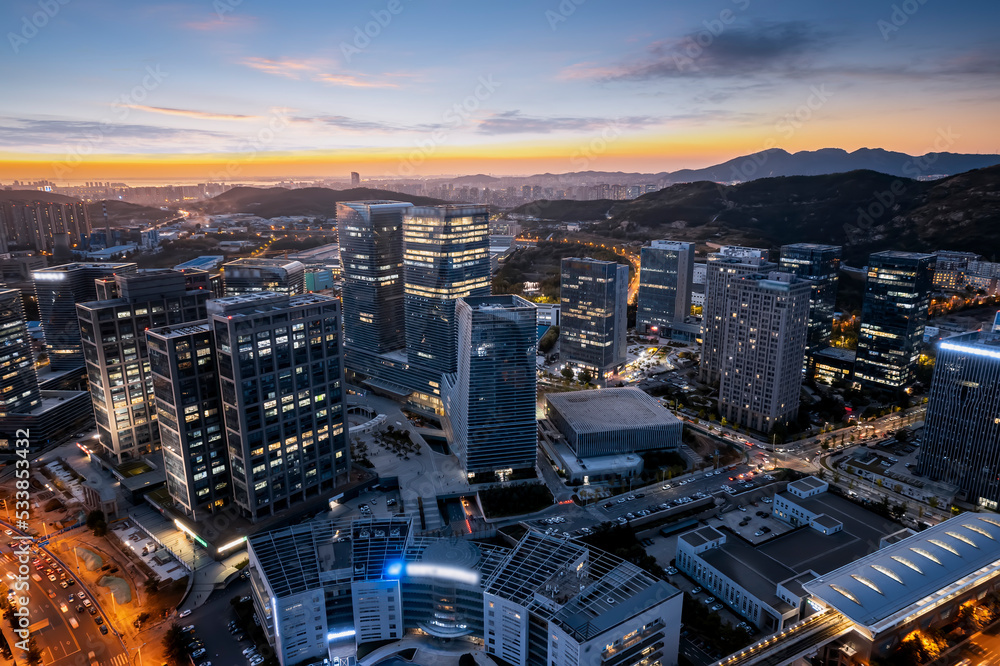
{"type": "Point", "coordinates": [250, 276]}
{"type": "Point", "coordinates": [593, 306]}
{"type": "Point", "coordinates": [284, 404]}
{"type": "Point", "coordinates": [112, 331]}
{"type": "Point", "coordinates": [183, 362]}
{"type": "Point", "coordinates": [58, 290]}
{"type": "Point", "coordinates": [764, 340]}
{"type": "Point", "coordinates": [446, 256]}
{"type": "Point", "coordinates": [666, 277]}
{"type": "Point", "coordinates": [722, 269]}
{"type": "Point", "coordinates": [893, 315]}
{"type": "Point", "coordinates": [490, 400]}
{"type": "Point", "coordinates": [961, 438]}
{"type": "Point", "coordinates": [355, 179]}
{"type": "Point", "coordinates": [18, 381]}
{"type": "Point", "coordinates": [820, 265]}
{"type": "Point", "coordinates": [33, 225]}
{"type": "Point", "coordinates": [371, 260]}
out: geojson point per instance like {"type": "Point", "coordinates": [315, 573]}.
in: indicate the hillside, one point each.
{"type": "Point", "coordinates": [959, 213]}
{"type": "Point", "coordinates": [123, 212]}
{"type": "Point", "coordinates": [308, 201]}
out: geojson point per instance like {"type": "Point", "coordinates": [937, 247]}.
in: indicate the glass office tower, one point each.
{"type": "Point", "coordinates": [490, 401]}
{"type": "Point", "coordinates": [252, 275]}
{"type": "Point", "coordinates": [593, 297]}
{"type": "Point", "coordinates": [18, 382]}
{"type": "Point", "coordinates": [371, 259]}
{"type": "Point", "coordinates": [446, 257]}
{"type": "Point", "coordinates": [666, 275]}
{"type": "Point", "coordinates": [820, 265]}
{"type": "Point", "coordinates": [893, 316]}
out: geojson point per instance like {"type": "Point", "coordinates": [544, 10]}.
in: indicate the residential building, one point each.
{"type": "Point", "coordinates": [446, 257]}
{"type": "Point", "coordinates": [281, 377]}
{"type": "Point", "coordinates": [893, 316]}
{"type": "Point", "coordinates": [183, 362]}
{"type": "Point", "coordinates": [593, 304]}
{"type": "Point", "coordinates": [58, 290]}
{"type": "Point", "coordinates": [722, 269]}
{"type": "Point", "coordinates": [666, 279]}
{"type": "Point", "coordinates": [371, 260]}
{"type": "Point", "coordinates": [33, 225]}
{"type": "Point", "coordinates": [820, 264]}
{"type": "Point", "coordinates": [951, 268]}
{"type": "Point", "coordinates": [961, 436]}
{"type": "Point", "coordinates": [490, 401]}
{"type": "Point", "coordinates": [764, 330]}
{"type": "Point", "coordinates": [253, 275]}
{"type": "Point", "coordinates": [112, 330]}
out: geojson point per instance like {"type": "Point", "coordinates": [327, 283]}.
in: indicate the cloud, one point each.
{"type": "Point", "coordinates": [222, 22]}
{"type": "Point", "coordinates": [314, 70]}
{"type": "Point", "coordinates": [514, 122]}
{"type": "Point", "coordinates": [186, 113]}
{"type": "Point", "coordinates": [45, 135]}
{"type": "Point", "coordinates": [736, 51]}
{"type": "Point", "coordinates": [358, 125]}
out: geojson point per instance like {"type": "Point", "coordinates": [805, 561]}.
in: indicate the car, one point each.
{"type": "Point", "coordinates": [758, 533]}
{"type": "Point", "coordinates": [72, 599]}
{"type": "Point", "coordinates": [696, 590]}
{"type": "Point", "coordinates": [204, 663]}
{"type": "Point", "coordinates": [52, 577]}
{"type": "Point", "coordinates": [92, 610]}
{"type": "Point", "coordinates": [640, 495]}
{"type": "Point", "coordinates": [374, 501]}
{"type": "Point", "coordinates": [390, 502]}
{"type": "Point", "coordinates": [98, 620]}
{"type": "Point", "coordinates": [608, 505]}
{"type": "Point", "coordinates": [716, 608]}
{"type": "Point", "coordinates": [8, 532]}
{"type": "Point", "coordinates": [630, 498]}
{"type": "Point", "coordinates": [188, 628]}
{"type": "Point", "coordinates": [64, 608]}
{"type": "Point", "coordinates": [718, 472]}
{"type": "Point", "coordinates": [741, 507]}
{"type": "Point", "coordinates": [86, 602]}
{"type": "Point", "coordinates": [620, 500]}
{"type": "Point", "coordinates": [184, 613]}
{"type": "Point", "coordinates": [667, 486]}
{"type": "Point", "coordinates": [246, 652]}
{"type": "Point", "coordinates": [710, 474]}
{"type": "Point", "coordinates": [63, 584]}
{"type": "Point", "coordinates": [81, 609]}
{"type": "Point", "coordinates": [197, 653]}
{"type": "Point", "coordinates": [70, 581]}
{"type": "Point", "coordinates": [245, 598]}
{"type": "Point", "coordinates": [671, 571]}
{"type": "Point", "coordinates": [765, 529]}
{"type": "Point", "coordinates": [194, 645]}
{"type": "Point", "coordinates": [73, 623]}
{"type": "Point", "coordinates": [709, 600]}
{"type": "Point", "coordinates": [104, 629]}
{"type": "Point", "coordinates": [256, 661]}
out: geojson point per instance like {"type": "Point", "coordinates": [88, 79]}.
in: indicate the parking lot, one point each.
{"type": "Point", "coordinates": [754, 522]}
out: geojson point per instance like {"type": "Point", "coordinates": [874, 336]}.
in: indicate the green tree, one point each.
{"type": "Point", "coordinates": [934, 502]}
{"type": "Point", "coordinates": [175, 645]}
{"type": "Point", "coordinates": [586, 377]}
{"type": "Point", "coordinates": [567, 373]}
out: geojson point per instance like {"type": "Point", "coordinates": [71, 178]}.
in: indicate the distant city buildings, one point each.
{"type": "Point", "coordinates": [34, 225]}
{"type": "Point", "coordinates": [666, 279]}
{"type": "Point", "coordinates": [18, 381]}
{"type": "Point", "coordinates": [355, 179]}
{"type": "Point", "coordinates": [961, 436]}
{"type": "Point", "coordinates": [951, 268]}
{"type": "Point", "coordinates": [764, 330]}
{"type": "Point", "coordinates": [251, 276]}
{"type": "Point", "coordinates": [58, 290]}
{"type": "Point", "coordinates": [723, 268]}
{"type": "Point", "coordinates": [112, 330]}
{"type": "Point", "coordinates": [893, 316]}
{"type": "Point", "coordinates": [820, 265]}
{"type": "Point", "coordinates": [593, 310]}
{"type": "Point", "coordinates": [490, 401]}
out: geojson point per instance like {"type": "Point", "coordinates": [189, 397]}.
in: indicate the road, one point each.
{"type": "Point", "coordinates": [61, 644]}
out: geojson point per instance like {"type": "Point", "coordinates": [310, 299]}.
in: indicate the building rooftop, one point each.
{"type": "Point", "coordinates": [886, 587]}
{"type": "Point", "coordinates": [806, 484]}
{"type": "Point", "coordinates": [262, 262]}
{"type": "Point", "coordinates": [205, 263]}
{"type": "Point", "coordinates": [826, 521]}
{"type": "Point", "coordinates": [837, 353]}
{"type": "Point", "coordinates": [608, 409]}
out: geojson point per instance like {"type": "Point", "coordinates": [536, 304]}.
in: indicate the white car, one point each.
{"type": "Point", "coordinates": [184, 613]}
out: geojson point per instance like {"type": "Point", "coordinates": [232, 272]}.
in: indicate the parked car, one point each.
{"type": "Point", "coordinates": [716, 607]}
{"type": "Point", "coordinates": [696, 590]}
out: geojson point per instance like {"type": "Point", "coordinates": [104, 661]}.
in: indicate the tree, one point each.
{"type": "Point", "coordinates": [152, 585]}
{"type": "Point", "coordinates": [933, 502]}
{"type": "Point", "coordinates": [175, 645]}
{"type": "Point", "coordinates": [96, 522]}
{"type": "Point", "coordinates": [586, 377]}
{"type": "Point", "coordinates": [567, 373]}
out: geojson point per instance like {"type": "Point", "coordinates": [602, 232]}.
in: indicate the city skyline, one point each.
{"type": "Point", "coordinates": [233, 91]}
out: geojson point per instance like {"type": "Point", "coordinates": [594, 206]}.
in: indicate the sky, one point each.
{"type": "Point", "coordinates": [235, 90]}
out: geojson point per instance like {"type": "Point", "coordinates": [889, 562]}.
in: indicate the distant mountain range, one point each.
{"type": "Point", "coordinates": [767, 164]}
{"type": "Point", "coordinates": [864, 211]}
{"type": "Point", "coordinates": [308, 201]}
